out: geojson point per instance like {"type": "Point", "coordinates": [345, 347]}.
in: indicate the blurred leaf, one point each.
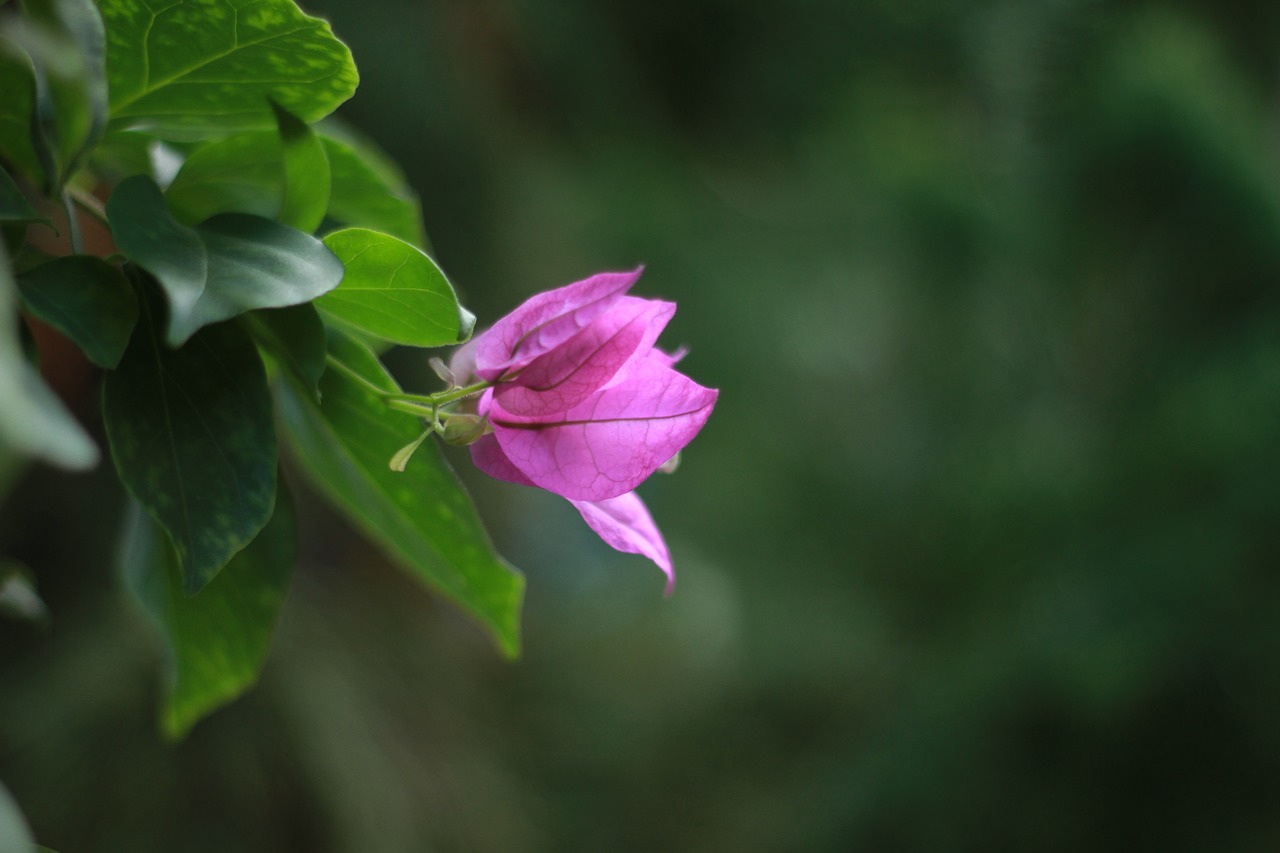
{"type": "Point", "coordinates": [241, 174]}
{"type": "Point", "coordinates": [306, 173]}
{"type": "Point", "coordinates": [226, 266]}
{"type": "Point", "coordinates": [18, 596]}
{"type": "Point", "coordinates": [423, 517]}
{"type": "Point", "coordinates": [369, 189]}
{"type": "Point", "coordinates": [17, 108]}
{"type": "Point", "coordinates": [86, 299]}
{"type": "Point", "coordinates": [192, 438]}
{"type": "Point", "coordinates": [192, 68]}
{"type": "Point", "coordinates": [393, 291]}
{"type": "Point", "coordinates": [32, 419]}
{"type": "Point", "coordinates": [296, 337]}
{"type": "Point", "coordinates": [15, 835]}
{"type": "Point", "coordinates": [14, 206]}
{"type": "Point", "coordinates": [67, 47]}
{"type": "Point", "coordinates": [245, 174]}
{"type": "Point", "coordinates": [216, 641]}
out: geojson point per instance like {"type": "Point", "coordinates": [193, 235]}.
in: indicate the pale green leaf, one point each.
{"type": "Point", "coordinates": [15, 835]}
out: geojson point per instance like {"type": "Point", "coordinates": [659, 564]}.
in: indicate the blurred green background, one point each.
{"type": "Point", "coordinates": [979, 551]}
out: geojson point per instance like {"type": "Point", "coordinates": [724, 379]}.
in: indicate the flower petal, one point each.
{"type": "Point", "coordinates": [625, 525]}
{"type": "Point", "coordinates": [490, 458]}
{"type": "Point", "coordinates": [573, 371]}
{"type": "Point", "coordinates": [546, 321]}
{"type": "Point", "coordinates": [463, 363]}
{"type": "Point", "coordinates": [613, 440]}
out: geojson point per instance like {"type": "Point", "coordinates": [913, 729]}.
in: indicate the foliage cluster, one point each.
{"type": "Point", "coordinates": [250, 261]}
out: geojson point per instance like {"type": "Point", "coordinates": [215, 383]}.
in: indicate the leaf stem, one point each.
{"type": "Point", "coordinates": [440, 398]}
{"type": "Point", "coordinates": [88, 202]}
{"type": "Point", "coordinates": [73, 224]}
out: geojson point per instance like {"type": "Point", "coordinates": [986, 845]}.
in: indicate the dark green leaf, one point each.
{"type": "Point", "coordinates": [18, 108]}
{"type": "Point", "coordinates": [189, 68]}
{"type": "Point", "coordinates": [14, 206]}
{"type": "Point", "coordinates": [18, 596]}
{"type": "Point", "coordinates": [226, 266]}
{"type": "Point", "coordinates": [306, 173]}
{"type": "Point", "coordinates": [32, 419]}
{"type": "Point", "coordinates": [15, 835]}
{"type": "Point", "coordinates": [245, 174]}
{"type": "Point", "coordinates": [67, 47]}
{"type": "Point", "coordinates": [88, 300]}
{"type": "Point", "coordinates": [192, 438]}
{"type": "Point", "coordinates": [296, 337]}
{"type": "Point", "coordinates": [422, 517]}
{"type": "Point", "coordinates": [393, 291]}
{"type": "Point", "coordinates": [216, 642]}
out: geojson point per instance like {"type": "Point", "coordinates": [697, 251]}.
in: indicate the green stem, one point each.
{"type": "Point", "coordinates": [73, 224]}
{"type": "Point", "coordinates": [440, 398]}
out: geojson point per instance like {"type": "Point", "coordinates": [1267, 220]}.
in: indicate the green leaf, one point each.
{"type": "Point", "coordinates": [369, 189]}
{"type": "Point", "coordinates": [296, 337]}
{"type": "Point", "coordinates": [17, 108]}
{"type": "Point", "coordinates": [226, 266]}
{"type": "Point", "coordinates": [216, 642]}
{"type": "Point", "coordinates": [192, 437]}
{"type": "Point", "coordinates": [32, 419]}
{"type": "Point", "coordinates": [190, 68]}
{"type": "Point", "coordinates": [393, 291]}
{"type": "Point", "coordinates": [67, 47]}
{"type": "Point", "coordinates": [423, 517]}
{"type": "Point", "coordinates": [86, 299]}
{"type": "Point", "coordinates": [245, 174]}
{"type": "Point", "coordinates": [15, 835]}
{"type": "Point", "coordinates": [240, 174]}
{"type": "Point", "coordinates": [14, 206]}
{"type": "Point", "coordinates": [18, 596]}
{"type": "Point", "coordinates": [306, 173]}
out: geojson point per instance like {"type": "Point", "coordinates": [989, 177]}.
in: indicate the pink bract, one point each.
{"type": "Point", "coordinates": [584, 405]}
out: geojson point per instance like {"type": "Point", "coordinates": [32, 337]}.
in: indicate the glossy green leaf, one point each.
{"type": "Point", "coordinates": [306, 173]}
{"type": "Point", "coordinates": [223, 267]}
{"type": "Point", "coordinates": [86, 299]}
{"type": "Point", "coordinates": [216, 641]}
{"type": "Point", "coordinates": [15, 835]}
{"type": "Point", "coordinates": [189, 68]}
{"type": "Point", "coordinates": [33, 421]}
{"type": "Point", "coordinates": [295, 336]}
{"type": "Point", "coordinates": [393, 291]}
{"type": "Point", "coordinates": [18, 596]}
{"type": "Point", "coordinates": [14, 206]}
{"type": "Point", "coordinates": [245, 173]}
{"type": "Point", "coordinates": [192, 437]}
{"type": "Point", "coordinates": [423, 518]}
{"type": "Point", "coordinates": [66, 44]}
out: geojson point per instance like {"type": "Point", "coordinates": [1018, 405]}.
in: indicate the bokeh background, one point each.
{"type": "Point", "coordinates": [979, 551]}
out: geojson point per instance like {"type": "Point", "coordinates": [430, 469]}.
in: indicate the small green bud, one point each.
{"type": "Point", "coordinates": [463, 429]}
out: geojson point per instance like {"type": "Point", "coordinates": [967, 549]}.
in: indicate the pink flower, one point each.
{"type": "Point", "coordinates": [583, 405]}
